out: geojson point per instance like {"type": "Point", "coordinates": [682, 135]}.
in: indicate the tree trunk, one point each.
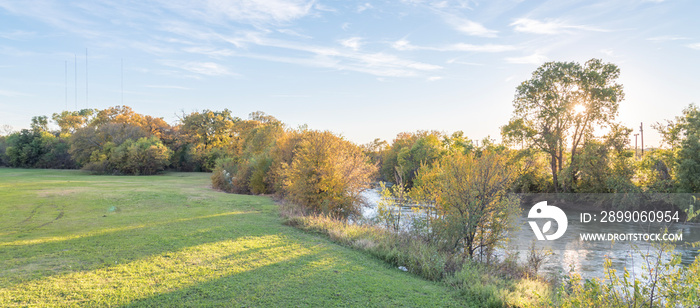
{"type": "Point", "coordinates": [572, 173]}
{"type": "Point", "coordinates": [553, 164]}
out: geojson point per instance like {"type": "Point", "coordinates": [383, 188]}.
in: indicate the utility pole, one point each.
{"type": "Point", "coordinates": [76, 81]}
{"type": "Point", "coordinates": [66, 85]}
{"type": "Point", "coordinates": [635, 146]}
{"type": "Point", "coordinates": [122, 68]}
{"type": "Point", "coordinates": [641, 131]}
{"type": "Point", "coordinates": [86, 79]}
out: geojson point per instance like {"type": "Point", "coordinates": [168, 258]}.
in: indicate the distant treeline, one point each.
{"type": "Point", "coordinates": [549, 146]}
{"type": "Point", "coordinates": [118, 140]}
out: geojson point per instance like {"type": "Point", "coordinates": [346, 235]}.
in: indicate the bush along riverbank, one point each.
{"type": "Point", "coordinates": [507, 283]}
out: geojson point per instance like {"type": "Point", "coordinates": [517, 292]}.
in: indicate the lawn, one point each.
{"type": "Point", "coordinates": [72, 239]}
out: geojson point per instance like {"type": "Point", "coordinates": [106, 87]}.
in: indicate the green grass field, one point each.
{"type": "Point", "coordinates": [72, 239]}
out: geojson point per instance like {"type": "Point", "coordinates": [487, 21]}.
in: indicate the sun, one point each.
{"type": "Point", "coordinates": [579, 109]}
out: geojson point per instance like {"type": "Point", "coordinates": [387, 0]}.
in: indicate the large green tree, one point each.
{"type": "Point", "coordinates": [683, 137]}
{"type": "Point", "coordinates": [560, 105]}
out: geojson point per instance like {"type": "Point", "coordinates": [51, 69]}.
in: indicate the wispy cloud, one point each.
{"type": "Point", "coordinates": [199, 68]}
{"type": "Point", "coordinates": [406, 45]}
{"type": "Point", "coordinates": [375, 63]}
{"type": "Point", "coordinates": [52, 14]}
{"type": "Point", "coordinates": [536, 58]}
{"type": "Point", "coordinates": [8, 93]}
{"type": "Point", "coordinates": [17, 35]}
{"type": "Point", "coordinates": [695, 46]}
{"type": "Point", "coordinates": [363, 7]}
{"type": "Point", "coordinates": [253, 11]}
{"type": "Point", "coordinates": [469, 27]}
{"type": "Point", "coordinates": [168, 87]}
{"type": "Point", "coordinates": [608, 52]}
{"type": "Point", "coordinates": [293, 33]}
{"type": "Point", "coordinates": [442, 4]}
{"type": "Point", "coordinates": [211, 51]}
{"type": "Point", "coordinates": [667, 38]}
{"type": "Point", "coordinates": [458, 61]}
{"type": "Point", "coordinates": [290, 95]}
{"type": "Point", "coordinates": [528, 25]}
{"type": "Point", "coordinates": [353, 43]}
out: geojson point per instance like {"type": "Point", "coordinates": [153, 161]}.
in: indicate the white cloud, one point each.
{"type": "Point", "coordinates": [353, 43]}
{"type": "Point", "coordinates": [608, 52]}
{"type": "Point", "coordinates": [406, 45]}
{"type": "Point", "coordinates": [479, 48]}
{"type": "Point", "coordinates": [17, 35]}
{"type": "Point", "coordinates": [470, 27]}
{"type": "Point", "coordinates": [363, 7]}
{"type": "Point", "coordinates": [458, 61]}
{"type": "Point", "coordinates": [167, 87]}
{"type": "Point", "coordinates": [206, 68]}
{"type": "Point", "coordinates": [528, 25]}
{"type": "Point", "coordinates": [377, 64]}
{"type": "Point", "coordinates": [535, 58]}
{"type": "Point", "coordinates": [209, 51]}
{"type": "Point", "coordinates": [403, 45]}
{"type": "Point", "coordinates": [695, 46]}
{"type": "Point", "coordinates": [534, 26]}
{"type": "Point", "coordinates": [251, 11]}
{"type": "Point", "coordinates": [262, 10]}
{"type": "Point", "coordinates": [434, 78]}
{"type": "Point", "coordinates": [321, 7]}
{"type": "Point", "coordinates": [8, 93]}
{"type": "Point", "coordinates": [200, 68]}
{"type": "Point", "coordinates": [666, 38]}
{"type": "Point", "coordinates": [293, 33]}
{"type": "Point", "coordinates": [443, 4]}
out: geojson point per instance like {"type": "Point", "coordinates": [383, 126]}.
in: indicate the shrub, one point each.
{"type": "Point", "coordinates": [473, 209]}
{"type": "Point", "coordinates": [227, 176]}
{"type": "Point", "coordinates": [145, 156]}
{"type": "Point", "coordinates": [663, 283]}
{"type": "Point", "coordinates": [37, 149]}
{"type": "Point", "coordinates": [327, 174]}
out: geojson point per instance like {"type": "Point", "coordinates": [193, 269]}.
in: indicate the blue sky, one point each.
{"type": "Point", "coordinates": [364, 69]}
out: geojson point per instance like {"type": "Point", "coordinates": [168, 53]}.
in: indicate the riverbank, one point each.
{"type": "Point", "coordinates": [497, 284]}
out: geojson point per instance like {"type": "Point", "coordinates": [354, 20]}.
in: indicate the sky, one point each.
{"type": "Point", "coordinates": [363, 69]}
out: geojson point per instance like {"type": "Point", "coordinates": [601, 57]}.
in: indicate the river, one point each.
{"type": "Point", "coordinates": [586, 257]}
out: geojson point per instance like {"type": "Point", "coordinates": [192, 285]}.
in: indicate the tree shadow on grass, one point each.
{"type": "Point", "coordinates": [319, 279]}
{"type": "Point", "coordinates": [240, 259]}
{"type": "Point", "coordinates": [37, 259]}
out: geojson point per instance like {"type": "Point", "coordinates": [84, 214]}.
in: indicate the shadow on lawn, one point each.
{"type": "Point", "coordinates": [27, 260]}
{"type": "Point", "coordinates": [318, 279]}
